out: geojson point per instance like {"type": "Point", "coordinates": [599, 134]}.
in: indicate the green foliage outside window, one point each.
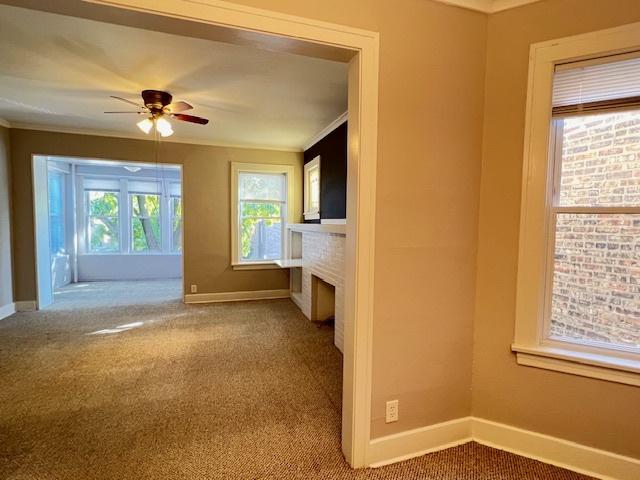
{"type": "Point", "coordinates": [104, 226]}
{"type": "Point", "coordinates": [253, 213]}
{"type": "Point", "coordinates": [176, 224]}
{"type": "Point", "coordinates": [145, 216]}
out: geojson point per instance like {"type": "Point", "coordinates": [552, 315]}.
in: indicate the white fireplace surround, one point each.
{"type": "Point", "coordinates": [316, 249]}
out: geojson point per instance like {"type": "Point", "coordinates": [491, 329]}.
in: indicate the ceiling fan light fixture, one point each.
{"type": "Point", "coordinates": [145, 125]}
{"type": "Point", "coordinates": [164, 127]}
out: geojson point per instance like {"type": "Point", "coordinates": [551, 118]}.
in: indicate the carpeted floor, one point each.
{"type": "Point", "coordinates": [103, 386]}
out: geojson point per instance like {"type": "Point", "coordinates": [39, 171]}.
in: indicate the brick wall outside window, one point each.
{"type": "Point", "coordinates": [596, 289]}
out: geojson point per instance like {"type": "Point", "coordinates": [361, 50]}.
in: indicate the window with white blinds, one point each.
{"type": "Point", "coordinates": [594, 213]}
{"type": "Point", "coordinates": [597, 85]}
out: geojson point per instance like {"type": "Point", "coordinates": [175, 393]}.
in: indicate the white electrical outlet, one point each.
{"type": "Point", "coordinates": [194, 288]}
{"type": "Point", "coordinates": [392, 411]}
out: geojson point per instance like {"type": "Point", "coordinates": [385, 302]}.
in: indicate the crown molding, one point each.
{"type": "Point", "coordinates": [488, 6]}
{"type": "Point", "coordinates": [103, 133]}
{"type": "Point", "coordinates": [325, 131]}
{"type": "Point", "coordinates": [4, 123]}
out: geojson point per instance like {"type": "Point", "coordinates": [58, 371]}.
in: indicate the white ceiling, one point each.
{"type": "Point", "coordinates": [58, 72]}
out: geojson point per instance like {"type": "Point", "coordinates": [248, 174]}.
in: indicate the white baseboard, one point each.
{"type": "Point", "coordinates": [552, 450]}
{"type": "Point", "coordinates": [7, 310]}
{"type": "Point", "coordinates": [556, 451]}
{"type": "Point", "coordinates": [26, 306]}
{"type": "Point", "coordinates": [235, 296]}
{"type": "Point", "coordinates": [414, 443]}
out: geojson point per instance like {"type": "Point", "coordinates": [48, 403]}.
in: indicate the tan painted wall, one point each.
{"type": "Point", "coordinates": [432, 59]}
{"type": "Point", "coordinates": [6, 278]}
{"type": "Point", "coordinates": [206, 195]}
{"type": "Point", "coordinates": [593, 412]}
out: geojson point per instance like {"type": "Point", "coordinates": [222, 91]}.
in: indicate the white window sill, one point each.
{"type": "Point", "coordinates": [255, 266]}
{"type": "Point", "coordinates": [593, 365]}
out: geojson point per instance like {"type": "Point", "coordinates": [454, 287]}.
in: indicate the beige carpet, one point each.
{"type": "Point", "coordinates": [105, 386]}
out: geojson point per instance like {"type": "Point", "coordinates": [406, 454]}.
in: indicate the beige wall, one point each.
{"type": "Point", "coordinates": [206, 196]}
{"type": "Point", "coordinates": [432, 59]}
{"type": "Point", "coordinates": [6, 279]}
{"type": "Point", "coordinates": [593, 412]}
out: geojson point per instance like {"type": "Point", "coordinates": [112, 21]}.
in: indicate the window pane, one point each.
{"type": "Point", "coordinates": [146, 234]}
{"type": "Point", "coordinates": [145, 205]}
{"type": "Point", "coordinates": [102, 203]}
{"type": "Point", "coordinates": [601, 160]}
{"type": "Point", "coordinates": [145, 231]}
{"type": "Point", "coordinates": [56, 213]}
{"type": "Point", "coordinates": [176, 224]}
{"type": "Point", "coordinates": [314, 189]}
{"type": "Point", "coordinates": [104, 234]}
{"type": "Point", "coordinates": [596, 283]}
{"type": "Point", "coordinates": [261, 186]}
{"type": "Point", "coordinates": [261, 239]}
{"type": "Point", "coordinates": [260, 209]}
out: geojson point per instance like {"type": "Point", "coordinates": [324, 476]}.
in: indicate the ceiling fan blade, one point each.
{"type": "Point", "coordinates": [177, 107]}
{"type": "Point", "coordinates": [137, 113]}
{"type": "Point", "coordinates": [125, 100]}
{"type": "Point", "coordinates": [190, 118]}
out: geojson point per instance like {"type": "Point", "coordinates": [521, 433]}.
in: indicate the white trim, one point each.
{"type": "Point", "coordinates": [4, 123]}
{"type": "Point", "coordinates": [337, 228]}
{"type": "Point", "coordinates": [536, 227]}
{"type": "Point", "coordinates": [545, 448]}
{"type": "Point", "coordinates": [556, 451]}
{"type": "Point", "coordinates": [236, 296]}
{"type": "Point", "coordinates": [26, 306]}
{"type": "Point", "coordinates": [361, 177]}
{"type": "Point", "coordinates": [418, 442]}
{"type": "Point", "coordinates": [326, 131]}
{"type": "Point", "coordinates": [580, 365]}
{"type": "Point", "coordinates": [488, 6]}
{"type": "Point", "coordinates": [256, 266]}
{"type": "Point", "coordinates": [314, 164]}
{"type": "Point", "coordinates": [7, 310]}
{"type": "Point", "coordinates": [135, 136]}
{"type": "Point", "coordinates": [333, 221]}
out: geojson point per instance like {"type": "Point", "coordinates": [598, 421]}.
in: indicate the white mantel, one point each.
{"type": "Point", "coordinates": [340, 229]}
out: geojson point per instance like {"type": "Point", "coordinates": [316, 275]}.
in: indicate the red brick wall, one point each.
{"type": "Point", "coordinates": [596, 291]}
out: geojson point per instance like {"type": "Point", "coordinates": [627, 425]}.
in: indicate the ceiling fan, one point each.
{"type": "Point", "coordinates": [158, 106]}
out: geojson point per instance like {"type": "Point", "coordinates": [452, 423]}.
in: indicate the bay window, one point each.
{"type": "Point", "coordinates": [132, 215]}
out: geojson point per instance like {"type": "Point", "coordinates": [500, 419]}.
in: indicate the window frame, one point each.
{"type": "Point", "coordinates": [537, 234]}
{"type": "Point", "coordinates": [171, 219]}
{"type": "Point", "coordinates": [131, 217]}
{"type": "Point", "coordinates": [62, 176]}
{"type": "Point", "coordinates": [87, 220]}
{"type": "Point", "coordinates": [287, 213]}
{"type": "Point", "coordinates": [125, 192]}
{"type": "Point", "coordinates": [309, 213]}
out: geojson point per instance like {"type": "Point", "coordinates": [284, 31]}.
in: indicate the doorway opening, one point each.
{"type": "Point", "coordinates": [107, 232]}
{"type": "Point", "coordinates": [358, 49]}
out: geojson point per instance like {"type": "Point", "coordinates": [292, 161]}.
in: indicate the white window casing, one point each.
{"type": "Point", "coordinates": [535, 262]}
{"type": "Point", "coordinates": [287, 209]}
{"type": "Point", "coordinates": [312, 189]}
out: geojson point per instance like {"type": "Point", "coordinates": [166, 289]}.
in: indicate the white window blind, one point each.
{"type": "Point", "coordinates": [137, 186]}
{"type": "Point", "coordinates": [106, 184]}
{"type": "Point", "coordinates": [595, 85]}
